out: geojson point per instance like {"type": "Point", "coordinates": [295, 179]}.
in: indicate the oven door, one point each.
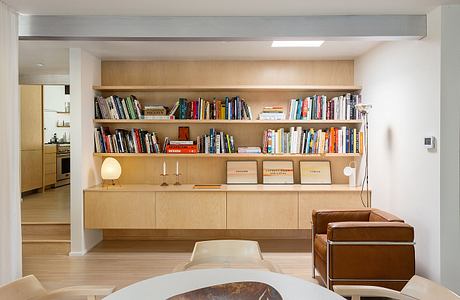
{"type": "Point", "coordinates": [63, 166]}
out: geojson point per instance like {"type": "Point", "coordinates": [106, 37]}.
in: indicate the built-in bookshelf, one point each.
{"type": "Point", "coordinates": [229, 155]}
{"type": "Point", "coordinates": [325, 123]}
{"type": "Point", "coordinates": [228, 88]}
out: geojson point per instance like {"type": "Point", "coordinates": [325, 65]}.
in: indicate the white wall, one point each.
{"type": "Point", "coordinates": [10, 195]}
{"type": "Point", "coordinates": [449, 147]}
{"type": "Point", "coordinates": [402, 82]}
{"type": "Point", "coordinates": [54, 99]}
{"type": "Point", "coordinates": [85, 71]}
{"type": "Point", "coordinates": [43, 79]}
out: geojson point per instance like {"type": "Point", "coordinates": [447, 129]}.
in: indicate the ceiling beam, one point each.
{"type": "Point", "coordinates": [116, 28]}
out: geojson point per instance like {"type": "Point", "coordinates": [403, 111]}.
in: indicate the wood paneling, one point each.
{"type": "Point", "coordinates": [266, 210]}
{"type": "Point", "coordinates": [182, 210]}
{"type": "Point", "coordinates": [31, 117]}
{"type": "Point", "coordinates": [119, 210]}
{"type": "Point", "coordinates": [325, 200]}
{"type": "Point", "coordinates": [31, 169]}
{"type": "Point", "coordinates": [214, 73]}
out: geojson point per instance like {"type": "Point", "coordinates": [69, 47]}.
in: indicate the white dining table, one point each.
{"type": "Point", "coordinates": [165, 286]}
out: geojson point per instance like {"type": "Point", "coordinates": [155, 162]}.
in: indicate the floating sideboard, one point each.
{"type": "Point", "coordinates": [228, 207]}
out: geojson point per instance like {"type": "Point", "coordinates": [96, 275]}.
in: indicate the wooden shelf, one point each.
{"type": "Point", "coordinates": [312, 122]}
{"type": "Point", "coordinates": [224, 88]}
{"type": "Point", "coordinates": [226, 155]}
{"type": "Point", "coordinates": [226, 188]}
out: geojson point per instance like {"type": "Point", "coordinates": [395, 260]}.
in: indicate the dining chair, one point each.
{"type": "Point", "coordinates": [418, 288]}
{"type": "Point", "coordinates": [28, 288]}
{"type": "Point", "coordinates": [227, 252]}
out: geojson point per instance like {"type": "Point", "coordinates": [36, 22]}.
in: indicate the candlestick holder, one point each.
{"type": "Point", "coordinates": [164, 180]}
{"type": "Point", "coordinates": [177, 178]}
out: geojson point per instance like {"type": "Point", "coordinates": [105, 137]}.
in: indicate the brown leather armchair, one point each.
{"type": "Point", "coordinates": [362, 247]}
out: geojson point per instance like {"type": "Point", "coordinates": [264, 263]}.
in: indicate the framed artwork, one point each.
{"type": "Point", "coordinates": [315, 172]}
{"type": "Point", "coordinates": [241, 172]}
{"type": "Point", "coordinates": [184, 133]}
{"type": "Point", "coordinates": [278, 172]}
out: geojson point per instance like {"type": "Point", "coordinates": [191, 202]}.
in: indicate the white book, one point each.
{"type": "Point", "coordinates": [344, 139]}
{"type": "Point", "coordinates": [336, 108]}
{"type": "Point", "coordinates": [283, 141]}
{"type": "Point", "coordinates": [206, 144]}
{"type": "Point", "coordinates": [309, 103]}
{"type": "Point", "coordinates": [339, 141]}
{"type": "Point", "coordinates": [218, 143]}
{"type": "Point", "coordinates": [292, 137]}
{"type": "Point", "coordinates": [299, 139]}
{"type": "Point", "coordinates": [348, 103]}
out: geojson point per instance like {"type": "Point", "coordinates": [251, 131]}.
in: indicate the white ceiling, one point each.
{"type": "Point", "coordinates": [54, 54]}
{"type": "Point", "coordinates": [225, 7]}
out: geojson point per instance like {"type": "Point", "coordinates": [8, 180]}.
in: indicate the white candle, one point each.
{"type": "Point", "coordinates": [164, 168]}
{"type": "Point", "coordinates": [177, 167]}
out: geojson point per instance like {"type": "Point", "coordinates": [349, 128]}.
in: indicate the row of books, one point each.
{"type": "Point", "coordinates": [125, 141]}
{"type": "Point", "coordinates": [114, 107]}
{"type": "Point", "coordinates": [272, 113]}
{"type": "Point", "coordinates": [299, 141]}
{"type": "Point", "coordinates": [200, 109]}
{"type": "Point", "coordinates": [320, 108]}
{"type": "Point", "coordinates": [216, 142]}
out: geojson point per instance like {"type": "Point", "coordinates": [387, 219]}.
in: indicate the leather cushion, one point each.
{"type": "Point", "coordinates": [321, 218]}
{"type": "Point", "coordinates": [320, 246]}
{"type": "Point", "coordinates": [370, 231]}
{"type": "Point", "coordinates": [378, 215]}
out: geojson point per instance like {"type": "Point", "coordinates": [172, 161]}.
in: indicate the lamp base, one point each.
{"type": "Point", "coordinates": [111, 183]}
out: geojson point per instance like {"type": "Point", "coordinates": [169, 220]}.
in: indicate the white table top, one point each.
{"type": "Point", "coordinates": [165, 286]}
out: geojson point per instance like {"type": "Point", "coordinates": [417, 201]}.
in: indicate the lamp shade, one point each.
{"type": "Point", "coordinates": [111, 169]}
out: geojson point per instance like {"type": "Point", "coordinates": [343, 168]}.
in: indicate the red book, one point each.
{"type": "Point", "coordinates": [181, 149]}
{"type": "Point", "coordinates": [138, 140]}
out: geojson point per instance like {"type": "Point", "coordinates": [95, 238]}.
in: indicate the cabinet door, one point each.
{"type": "Point", "coordinates": [325, 200]}
{"type": "Point", "coordinates": [265, 210]}
{"type": "Point", "coordinates": [31, 117]}
{"type": "Point", "coordinates": [190, 210]}
{"type": "Point", "coordinates": [31, 170]}
{"type": "Point", "coordinates": [112, 210]}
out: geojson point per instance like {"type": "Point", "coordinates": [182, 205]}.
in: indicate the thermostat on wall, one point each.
{"type": "Point", "coordinates": [430, 142]}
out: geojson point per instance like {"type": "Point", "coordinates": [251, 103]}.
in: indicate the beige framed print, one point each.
{"type": "Point", "coordinates": [278, 172]}
{"type": "Point", "coordinates": [315, 172]}
{"type": "Point", "coordinates": [241, 172]}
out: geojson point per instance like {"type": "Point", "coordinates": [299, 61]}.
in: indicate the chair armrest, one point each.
{"type": "Point", "coordinates": [321, 218]}
{"type": "Point", "coordinates": [357, 291]}
{"type": "Point", "coordinates": [370, 232]}
{"type": "Point", "coordinates": [88, 290]}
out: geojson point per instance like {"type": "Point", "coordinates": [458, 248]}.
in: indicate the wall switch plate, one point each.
{"type": "Point", "coordinates": [430, 142]}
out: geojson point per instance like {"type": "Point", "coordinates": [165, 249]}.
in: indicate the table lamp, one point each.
{"type": "Point", "coordinates": [110, 170]}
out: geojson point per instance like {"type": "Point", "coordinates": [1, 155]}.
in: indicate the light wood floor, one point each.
{"type": "Point", "coordinates": [51, 206]}
{"type": "Point", "coordinates": [123, 263]}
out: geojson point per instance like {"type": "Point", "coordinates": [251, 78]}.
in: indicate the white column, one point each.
{"type": "Point", "coordinates": [85, 71]}
{"type": "Point", "coordinates": [10, 196]}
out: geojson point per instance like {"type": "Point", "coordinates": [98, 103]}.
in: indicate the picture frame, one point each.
{"type": "Point", "coordinates": [241, 172]}
{"type": "Point", "coordinates": [315, 172]}
{"type": "Point", "coordinates": [278, 171]}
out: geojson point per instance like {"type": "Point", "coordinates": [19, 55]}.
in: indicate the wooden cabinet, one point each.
{"type": "Point", "coordinates": [31, 137]}
{"type": "Point", "coordinates": [191, 210]}
{"type": "Point", "coordinates": [110, 210]}
{"type": "Point", "coordinates": [325, 200]}
{"type": "Point", "coordinates": [31, 170]}
{"type": "Point", "coordinates": [49, 165]}
{"type": "Point", "coordinates": [266, 210]}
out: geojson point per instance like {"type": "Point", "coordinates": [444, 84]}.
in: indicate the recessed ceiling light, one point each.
{"type": "Point", "coordinates": [297, 43]}
{"type": "Point", "coordinates": [40, 65]}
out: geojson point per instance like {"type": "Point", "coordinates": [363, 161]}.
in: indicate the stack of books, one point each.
{"type": "Point", "coordinates": [200, 109]}
{"type": "Point", "coordinates": [156, 112]}
{"type": "Point", "coordinates": [251, 150]}
{"type": "Point", "coordinates": [180, 147]}
{"type": "Point", "coordinates": [125, 141]}
{"type": "Point", "coordinates": [299, 141]}
{"type": "Point", "coordinates": [114, 107]}
{"type": "Point", "coordinates": [215, 142]}
{"type": "Point", "coordinates": [320, 108]}
{"type": "Point", "coordinates": [272, 113]}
